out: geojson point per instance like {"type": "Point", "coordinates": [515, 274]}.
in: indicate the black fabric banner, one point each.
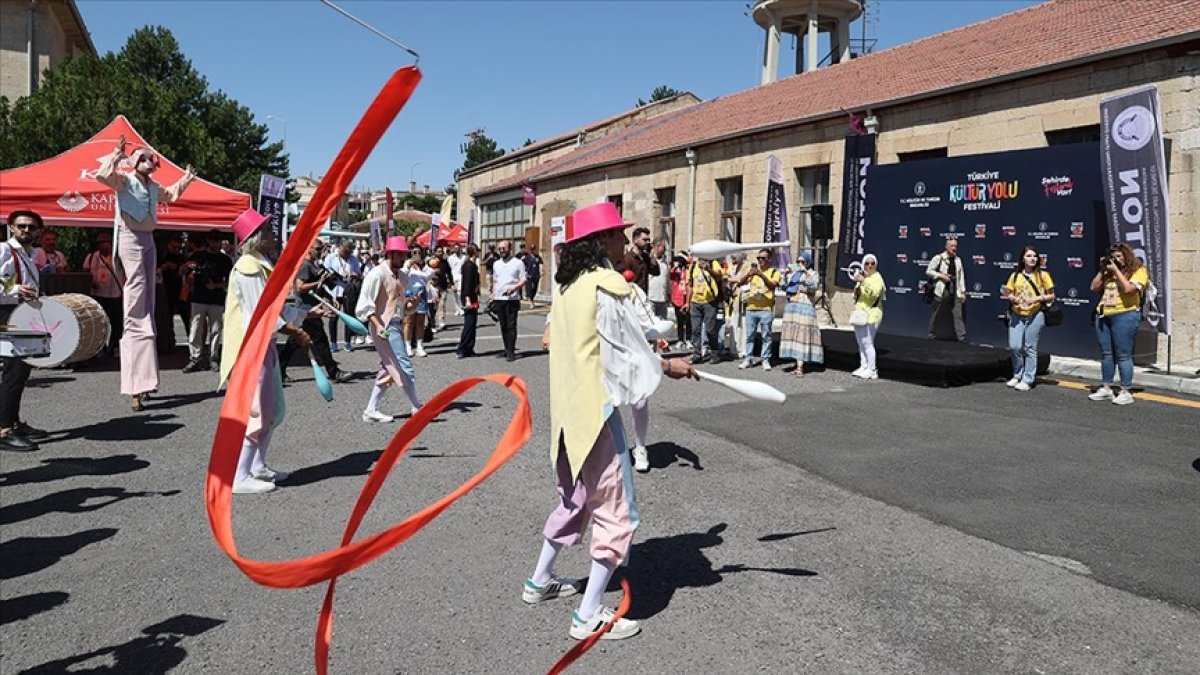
{"type": "Point", "coordinates": [993, 205]}
{"type": "Point", "coordinates": [859, 157]}
{"type": "Point", "coordinates": [271, 191]}
{"type": "Point", "coordinates": [1135, 190]}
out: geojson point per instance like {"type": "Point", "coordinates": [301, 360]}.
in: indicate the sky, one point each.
{"type": "Point", "coordinates": [517, 70]}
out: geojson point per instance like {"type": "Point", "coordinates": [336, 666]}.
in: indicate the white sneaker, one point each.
{"type": "Point", "coordinates": [1123, 398]}
{"type": "Point", "coordinates": [641, 459]}
{"type": "Point", "coordinates": [415, 409]}
{"type": "Point", "coordinates": [271, 475]}
{"type": "Point", "coordinates": [420, 350]}
{"type": "Point", "coordinates": [744, 364]}
{"type": "Point", "coordinates": [252, 486]}
{"type": "Point", "coordinates": [557, 587]}
{"type": "Point", "coordinates": [1013, 382]}
{"type": "Point", "coordinates": [623, 628]}
{"type": "Point", "coordinates": [1021, 386]}
{"type": "Point", "coordinates": [375, 416]}
{"type": "Point", "coordinates": [861, 372]}
{"type": "Point", "coordinates": [871, 374]}
{"type": "Point", "coordinates": [1104, 393]}
{"type": "Point", "coordinates": [766, 365]}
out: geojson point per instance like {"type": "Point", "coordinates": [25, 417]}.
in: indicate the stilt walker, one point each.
{"type": "Point", "coordinates": [136, 216]}
{"type": "Point", "coordinates": [599, 360]}
{"type": "Point", "coordinates": [379, 307]}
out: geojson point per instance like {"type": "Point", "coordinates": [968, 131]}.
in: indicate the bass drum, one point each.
{"type": "Point", "coordinates": [77, 325]}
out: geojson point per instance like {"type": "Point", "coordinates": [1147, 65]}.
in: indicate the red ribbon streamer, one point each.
{"type": "Point", "coordinates": [235, 409]}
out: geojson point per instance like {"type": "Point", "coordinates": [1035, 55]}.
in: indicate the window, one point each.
{"type": "Point", "coordinates": [1086, 134]}
{"type": "Point", "coordinates": [731, 208]}
{"type": "Point", "coordinates": [665, 198]}
{"type": "Point", "coordinates": [503, 220]}
{"type": "Point", "coordinates": [917, 155]}
{"type": "Point", "coordinates": [813, 185]}
{"type": "Point", "coordinates": [619, 202]}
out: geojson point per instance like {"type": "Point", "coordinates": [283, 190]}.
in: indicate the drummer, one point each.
{"type": "Point", "coordinates": [18, 283]}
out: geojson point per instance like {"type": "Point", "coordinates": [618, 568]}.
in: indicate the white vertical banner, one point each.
{"type": "Point", "coordinates": [558, 236]}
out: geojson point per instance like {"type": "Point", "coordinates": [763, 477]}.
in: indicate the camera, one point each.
{"type": "Point", "coordinates": [1105, 261]}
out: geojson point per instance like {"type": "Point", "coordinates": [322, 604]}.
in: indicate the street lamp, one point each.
{"type": "Point", "coordinates": [280, 119]}
{"type": "Point", "coordinates": [411, 184]}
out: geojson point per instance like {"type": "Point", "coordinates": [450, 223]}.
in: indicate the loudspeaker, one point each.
{"type": "Point", "coordinates": [822, 222]}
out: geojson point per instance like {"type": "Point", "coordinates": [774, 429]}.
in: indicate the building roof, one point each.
{"type": "Point", "coordinates": [1051, 36]}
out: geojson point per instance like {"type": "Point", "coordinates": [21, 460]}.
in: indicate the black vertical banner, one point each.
{"type": "Point", "coordinates": [1135, 189]}
{"type": "Point", "coordinates": [271, 190]}
{"type": "Point", "coordinates": [859, 158]}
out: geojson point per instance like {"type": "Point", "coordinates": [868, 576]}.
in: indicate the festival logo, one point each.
{"type": "Point", "coordinates": [1133, 128]}
{"type": "Point", "coordinates": [1074, 262]}
{"type": "Point", "coordinates": [1009, 230]}
{"type": "Point", "coordinates": [1073, 300]}
{"type": "Point", "coordinates": [919, 189]}
{"type": "Point", "coordinates": [983, 191]}
{"type": "Point", "coordinates": [73, 202]}
{"type": "Point", "coordinates": [903, 233]}
{"type": "Point", "coordinates": [977, 292]}
{"type": "Point", "coordinates": [1006, 263]}
{"type": "Point", "coordinates": [980, 231]}
{"type": "Point", "coordinates": [1058, 186]}
{"type": "Point", "coordinates": [1077, 230]}
{"type": "Point", "coordinates": [926, 231]}
{"type": "Point", "coordinates": [901, 257]}
{"type": "Point", "coordinates": [1043, 232]}
{"type": "Point", "coordinates": [979, 260]}
{"type": "Point", "coordinates": [920, 200]}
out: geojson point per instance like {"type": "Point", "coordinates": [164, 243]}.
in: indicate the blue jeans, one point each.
{"type": "Point", "coordinates": [1023, 334]}
{"type": "Point", "coordinates": [396, 339]}
{"type": "Point", "coordinates": [759, 321]}
{"type": "Point", "coordinates": [1116, 334]}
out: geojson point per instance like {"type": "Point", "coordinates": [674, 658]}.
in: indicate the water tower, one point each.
{"type": "Point", "coordinates": [805, 19]}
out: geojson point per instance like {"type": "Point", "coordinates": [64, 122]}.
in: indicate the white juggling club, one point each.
{"type": "Point", "coordinates": [751, 389]}
{"type": "Point", "coordinates": [713, 249]}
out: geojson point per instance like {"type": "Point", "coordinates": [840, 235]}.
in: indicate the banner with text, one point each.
{"type": "Point", "coordinates": [272, 191]}
{"type": "Point", "coordinates": [859, 156]}
{"type": "Point", "coordinates": [1133, 165]}
{"type": "Point", "coordinates": [993, 205]}
{"type": "Point", "coordinates": [775, 228]}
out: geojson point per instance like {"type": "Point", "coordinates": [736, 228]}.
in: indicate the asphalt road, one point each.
{"type": "Point", "coordinates": [864, 527]}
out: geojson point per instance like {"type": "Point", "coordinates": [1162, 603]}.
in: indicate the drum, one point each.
{"type": "Point", "coordinates": [77, 326]}
{"type": "Point", "coordinates": [20, 344]}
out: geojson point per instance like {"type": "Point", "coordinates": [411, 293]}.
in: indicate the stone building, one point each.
{"type": "Point", "coordinates": [35, 36]}
{"type": "Point", "coordinates": [1028, 79]}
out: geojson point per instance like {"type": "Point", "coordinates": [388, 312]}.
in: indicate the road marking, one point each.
{"type": "Point", "coordinates": [1143, 396]}
{"type": "Point", "coordinates": [1059, 561]}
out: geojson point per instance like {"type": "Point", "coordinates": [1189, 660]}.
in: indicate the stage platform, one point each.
{"type": "Point", "coordinates": [924, 361]}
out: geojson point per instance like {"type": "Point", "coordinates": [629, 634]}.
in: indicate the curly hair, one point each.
{"type": "Point", "coordinates": [577, 257]}
{"type": "Point", "coordinates": [1132, 262]}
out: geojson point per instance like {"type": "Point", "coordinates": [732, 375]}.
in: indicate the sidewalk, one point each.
{"type": "Point", "coordinates": [1086, 369]}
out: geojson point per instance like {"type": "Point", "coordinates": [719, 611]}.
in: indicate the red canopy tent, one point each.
{"type": "Point", "coordinates": [64, 191]}
{"type": "Point", "coordinates": [447, 234]}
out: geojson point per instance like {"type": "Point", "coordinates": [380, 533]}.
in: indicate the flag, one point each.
{"type": "Point", "coordinates": [435, 225]}
{"type": "Point", "coordinates": [471, 228]}
{"type": "Point", "coordinates": [388, 217]}
{"type": "Point", "coordinates": [775, 228]}
{"type": "Point", "coordinates": [528, 196]}
{"type": "Point", "coordinates": [856, 123]}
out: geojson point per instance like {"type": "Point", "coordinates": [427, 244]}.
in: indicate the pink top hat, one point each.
{"type": "Point", "coordinates": [396, 243]}
{"type": "Point", "coordinates": [592, 219]}
{"type": "Point", "coordinates": [248, 223]}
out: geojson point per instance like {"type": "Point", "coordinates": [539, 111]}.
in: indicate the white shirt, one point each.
{"type": "Point", "coordinates": [632, 371]}
{"type": "Point", "coordinates": [13, 267]}
{"type": "Point", "coordinates": [42, 259]}
{"type": "Point", "coordinates": [456, 261]}
{"type": "Point", "coordinates": [347, 267]}
{"type": "Point", "coordinates": [658, 284]}
{"type": "Point", "coordinates": [506, 274]}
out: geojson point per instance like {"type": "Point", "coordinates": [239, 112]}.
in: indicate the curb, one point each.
{"type": "Point", "coordinates": [1084, 369]}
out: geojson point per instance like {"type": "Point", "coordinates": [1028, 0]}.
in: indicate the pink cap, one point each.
{"type": "Point", "coordinates": [592, 219]}
{"type": "Point", "coordinates": [396, 243]}
{"type": "Point", "coordinates": [248, 223]}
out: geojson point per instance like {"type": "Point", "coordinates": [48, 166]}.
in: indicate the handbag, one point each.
{"type": "Point", "coordinates": [1052, 312]}
{"type": "Point", "coordinates": [858, 318]}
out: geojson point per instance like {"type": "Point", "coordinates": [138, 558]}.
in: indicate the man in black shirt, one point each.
{"type": "Point", "coordinates": [533, 274]}
{"type": "Point", "coordinates": [208, 277]}
{"type": "Point", "coordinates": [171, 265]}
{"type": "Point", "coordinates": [309, 282]}
{"type": "Point", "coordinates": [469, 297]}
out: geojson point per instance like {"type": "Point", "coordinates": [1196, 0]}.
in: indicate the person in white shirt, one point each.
{"type": "Point", "coordinates": [106, 288]}
{"type": "Point", "coordinates": [456, 260]}
{"type": "Point", "coordinates": [507, 281]}
{"type": "Point", "coordinates": [344, 288]}
{"type": "Point", "coordinates": [47, 258]}
{"type": "Point", "coordinates": [20, 284]}
{"type": "Point", "coordinates": [658, 284]}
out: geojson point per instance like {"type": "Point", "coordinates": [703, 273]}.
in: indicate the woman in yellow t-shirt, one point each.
{"type": "Point", "coordinates": [1120, 283]}
{"type": "Point", "coordinates": [1028, 290]}
{"type": "Point", "coordinates": [868, 299]}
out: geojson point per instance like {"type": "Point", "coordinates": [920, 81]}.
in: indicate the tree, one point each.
{"type": "Point", "coordinates": [660, 93]}
{"type": "Point", "coordinates": [154, 84]}
{"type": "Point", "coordinates": [481, 149]}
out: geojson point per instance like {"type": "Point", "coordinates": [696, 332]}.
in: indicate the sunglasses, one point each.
{"type": "Point", "coordinates": [763, 257]}
{"type": "Point", "coordinates": [869, 264]}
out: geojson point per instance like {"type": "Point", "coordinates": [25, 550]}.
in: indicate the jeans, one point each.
{"type": "Point", "coordinates": [204, 336]}
{"type": "Point", "coordinates": [1023, 334]}
{"type": "Point", "coordinates": [759, 321]}
{"type": "Point", "coordinates": [704, 328]}
{"type": "Point", "coordinates": [1116, 334]}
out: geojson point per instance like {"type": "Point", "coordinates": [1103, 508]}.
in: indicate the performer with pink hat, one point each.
{"type": "Point", "coordinates": [382, 292]}
{"type": "Point", "coordinates": [136, 216]}
{"type": "Point", "coordinates": [246, 284]}
{"type": "Point", "coordinates": [599, 360]}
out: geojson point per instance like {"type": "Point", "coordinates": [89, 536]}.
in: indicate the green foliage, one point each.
{"type": "Point", "coordinates": [481, 149]}
{"type": "Point", "coordinates": [408, 227]}
{"type": "Point", "coordinates": [660, 93]}
{"type": "Point", "coordinates": [425, 203]}
{"type": "Point", "coordinates": [153, 84]}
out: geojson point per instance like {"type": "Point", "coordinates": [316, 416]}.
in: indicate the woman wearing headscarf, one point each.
{"type": "Point", "coordinates": [800, 338]}
{"type": "Point", "coordinates": [136, 215]}
{"type": "Point", "coordinates": [867, 315]}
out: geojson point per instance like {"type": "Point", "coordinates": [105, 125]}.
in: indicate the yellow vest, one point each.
{"type": "Point", "coordinates": [232, 332]}
{"type": "Point", "coordinates": [577, 394]}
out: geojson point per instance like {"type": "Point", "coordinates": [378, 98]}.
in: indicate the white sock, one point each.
{"type": "Point", "coordinates": [545, 564]}
{"type": "Point", "coordinates": [641, 422]}
{"type": "Point", "coordinates": [376, 396]}
{"type": "Point", "coordinates": [258, 459]}
{"type": "Point", "coordinates": [597, 582]}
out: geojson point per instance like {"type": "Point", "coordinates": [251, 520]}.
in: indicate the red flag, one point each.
{"type": "Point", "coordinates": [388, 218]}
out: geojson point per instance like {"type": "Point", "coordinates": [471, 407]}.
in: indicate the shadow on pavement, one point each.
{"type": "Point", "coordinates": [42, 382]}
{"type": "Point", "coordinates": [659, 567]}
{"type": "Point", "coordinates": [178, 400]}
{"type": "Point", "coordinates": [157, 652]}
{"type": "Point", "coordinates": [71, 501]}
{"type": "Point", "coordinates": [663, 455]}
{"type": "Point", "coordinates": [26, 555]}
{"type": "Point", "coordinates": [66, 467]}
{"type": "Point", "coordinates": [1196, 464]}
{"type": "Point", "coordinates": [25, 606]}
{"type": "Point", "coordinates": [145, 427]}
{"type": "Point", "coordinates": [788, 535]}
{"type": "Point", "coordinates": [353, 464]}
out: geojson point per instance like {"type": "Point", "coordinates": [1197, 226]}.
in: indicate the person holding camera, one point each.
{"type": "Point", "coordinates": [1028, 290]}
{"type": "Point", "coordinates": [758, 297]}
{"type": "Point", "coordinates": [869, 288]}
{"type": "Point", "coordinates": [208, 272]}
{"type": "Point", "coordinates": [703, 292]}
{"type": "Point", "coordinates": [946, 273]}
{"type": "Point", "coordinates": [1121, 281]}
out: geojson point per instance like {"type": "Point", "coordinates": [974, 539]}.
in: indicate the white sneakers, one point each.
{"type": "Point", "coordinates": [375, 416]}
{"type": "Point", "coordinates": [744, 364]}
{"type": "Point", "coordinates": [557, 587]}
{"type": "Point", "coordinates": [747, 362]}
{"type": "Point", "coordinates": [1123, 398]}
{"type": "Point", "coordinates": [271, 475]}
{"type": "Point", "coordinates": [420, 349]}
{"type": "Point", "coordinates": [866, 373]}
{"type": "Point", "coordinates": [1104, 393]}
{"type": "Point", "coordinates": [1013, 382]}
{"type": "Point", "coordinates": [766, 365]}
{"type": "Point", "coordinates": [252, 486]}
{"type": "Point", "coordinates": [1021, 386]}
{"type": "Point", "coordinates": [641, 459]}
{"type": "Point", "coordinates": [623, 628]}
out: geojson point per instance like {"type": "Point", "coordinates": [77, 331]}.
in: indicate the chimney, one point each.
{"type": "Point", "coordinates": [412, 187]}
{"type": "Point", "coordinates": [425, 191]}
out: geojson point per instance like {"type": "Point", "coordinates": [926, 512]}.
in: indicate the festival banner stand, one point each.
{"type": "Point", "coordinates": [858, 158]}
{"type": "Point", "coordinates": [271, 191]}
